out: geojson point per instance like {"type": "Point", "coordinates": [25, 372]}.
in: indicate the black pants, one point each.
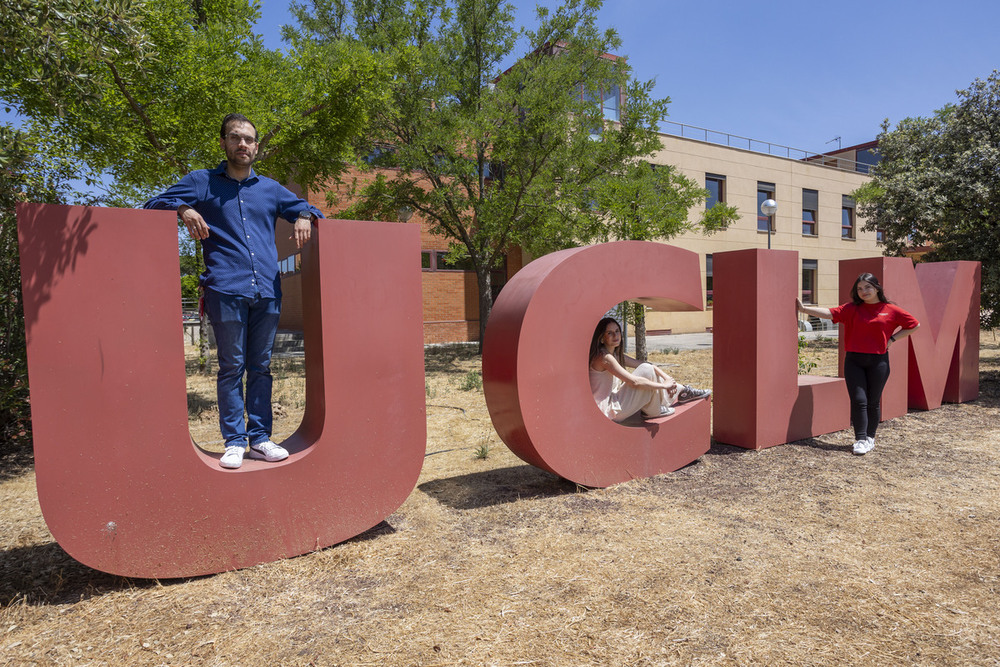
{"type": "Point", "coordinates": [866, 375]}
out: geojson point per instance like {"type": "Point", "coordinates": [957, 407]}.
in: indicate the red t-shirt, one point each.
{"type": "Point", "coordinates": [867, 327]}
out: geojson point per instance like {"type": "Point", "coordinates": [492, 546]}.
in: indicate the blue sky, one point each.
{"type": "Point", "coordinates": [791, 72]}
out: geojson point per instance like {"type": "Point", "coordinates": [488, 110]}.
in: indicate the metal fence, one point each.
{"type": "Point", "coordinates": [746, 143]}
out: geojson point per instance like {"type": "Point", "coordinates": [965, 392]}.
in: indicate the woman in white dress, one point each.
{"type": "Point", "coordinates": [621, 393]}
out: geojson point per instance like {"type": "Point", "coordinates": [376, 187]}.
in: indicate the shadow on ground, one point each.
{"type": "Point", "coordinates": [44, 574]}
{"type": "Point", "coordinates": [446, 359]}
{"type": "Point", "coordinates": [16, 458]}
{"type": "Point", "coordinates": [495, 487]}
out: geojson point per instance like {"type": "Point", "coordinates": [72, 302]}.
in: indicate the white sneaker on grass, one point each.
{"type": "Point", "coordinates": [268, 451]}
{"type": "Point", "coordinates": [233, 458]}
{"type": "Point", "coordinates": [861, 447]}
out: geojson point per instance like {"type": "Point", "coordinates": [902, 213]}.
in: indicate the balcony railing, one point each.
{"type": "Point", "coordinates": [735, 141]}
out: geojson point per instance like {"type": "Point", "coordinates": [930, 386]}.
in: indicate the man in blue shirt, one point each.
{"type": "Point", "coordinates": [232, 211]}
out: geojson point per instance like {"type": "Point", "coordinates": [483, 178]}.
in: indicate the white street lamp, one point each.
{"type": "Point", "coordinates": [769, 207]}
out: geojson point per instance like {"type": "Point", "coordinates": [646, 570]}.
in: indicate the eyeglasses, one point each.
{"type": "Point", "coordinates": [235, 138]}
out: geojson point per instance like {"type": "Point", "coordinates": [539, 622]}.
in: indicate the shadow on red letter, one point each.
{"type": "Point", "coordinates": [535, 366]}
{"type": "Point", "coordinates": [121, 485]}
{"type": "Point", "coordinates": [760, 399]}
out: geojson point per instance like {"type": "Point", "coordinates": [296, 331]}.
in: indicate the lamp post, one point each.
{"type": "Point", "coordinates": [404, 213]}
{"type": "Point", "coordinates": [769, 207]}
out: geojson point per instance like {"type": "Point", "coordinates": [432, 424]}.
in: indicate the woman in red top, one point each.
{"type": "Point", "coordinates": [871, 324]}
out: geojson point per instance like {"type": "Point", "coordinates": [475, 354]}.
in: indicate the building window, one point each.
{"type": "Point", "coordinates": [716, 186]}
{"type": "Point", "coordinates": [610, 103]}
{"type": "Point", "coordinates": [382, 155]}
{"type": "Point", "coordinates": [865, 159]}
{"type": "Point", "coordinates": [880, 235]}
{"type": "Point", "coordinates": [810, 210]}
{"type": "Point", "coordinates": [289, 265]}
{"type": "Point", "coordinates": [435, 260]}
{"type": "Point", "coordinates": [809, 269]}
{"type": "Point", "coordinates": [607, 100]}
{"type": "Point", "coordinates": [708, 281]}
{"type": "Point", "coordinates": [765, 191]}
{"type": "Point", "coordinates": [847, 219]}
{"type": "Point", "coordinates": [441, 263]}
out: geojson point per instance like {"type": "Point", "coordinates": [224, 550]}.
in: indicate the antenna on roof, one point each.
{"type": "Point", "coordinates": [837, 139]}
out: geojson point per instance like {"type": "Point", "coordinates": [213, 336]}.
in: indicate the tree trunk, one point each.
{"type": "Point", "coordinates": [640, 332]}
{"type": "Point", "coordinates": [203, 347]}
{"type": "Point", "coordinates": [484, 280]}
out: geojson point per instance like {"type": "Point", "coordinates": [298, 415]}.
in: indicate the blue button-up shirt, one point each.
{"type": "Point", "coordinates": [240, 254]}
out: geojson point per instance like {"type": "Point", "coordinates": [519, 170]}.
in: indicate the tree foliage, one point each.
{"type": "Point", "coordinates": [151, 88]}
{"type": "Point", "coordinates": [41, 62]}
{"type": "Point", "coordinates": [938, 185]}
{"type": "Point", "coordinates": [48, 47]}
{"type": "Point", "coordinates": [129, 96]}
{"type": "Point", "coordinates": [493, 158]}
{"type": "Point", "coordinates": [24, 177]}
{"type": "Point", "coordinates": [646, 202]}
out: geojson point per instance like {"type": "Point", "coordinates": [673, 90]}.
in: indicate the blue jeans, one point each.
{"type": "Point", "coordinates": [244, 332]}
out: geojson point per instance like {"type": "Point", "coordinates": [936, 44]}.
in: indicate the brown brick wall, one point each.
{"type": "Point", "coordinates": [291, 303]}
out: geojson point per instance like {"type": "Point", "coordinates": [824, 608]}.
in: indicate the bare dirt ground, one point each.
{"type": "Point", "coordinates": [801, 554]}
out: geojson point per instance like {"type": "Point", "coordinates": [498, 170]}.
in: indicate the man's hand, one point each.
{"type": "Point", "coordinates": [302, 231]}
{"type": "Point", "coordinates": [196, 225]}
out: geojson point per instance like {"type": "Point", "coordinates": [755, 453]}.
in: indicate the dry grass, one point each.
{"type": "Point", "coordinates": [801, 554]}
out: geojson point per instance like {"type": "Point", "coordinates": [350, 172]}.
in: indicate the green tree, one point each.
{"type": "Point", "coordinates": [151, 83]}
{"type": "Point", "coordinates": [39, 65]}
{"type": "Point", "coordinates": [23, 178]}
{"type": "Point", "coordinates": [48, 47]}
{"type": "Point", "coordinates": [191, 267]}
{"type": "Point", "coordinates": [494, 158]}
{"type": "Point", "coordinates": [649, 202]}
{"type": "Point", "coordinates": [937, 184]}
{"type": "Point", "coordinates": [152, 104]}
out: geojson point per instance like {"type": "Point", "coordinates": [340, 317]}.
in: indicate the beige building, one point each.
{"type": "Point", "coordinates": [815, 215]}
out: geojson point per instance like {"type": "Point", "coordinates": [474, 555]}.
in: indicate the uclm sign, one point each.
{"type": "Point", "coordinates": [124, 489]}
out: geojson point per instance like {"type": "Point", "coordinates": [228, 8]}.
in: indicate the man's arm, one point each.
{"type": "Point", "coordinates": [302, 231]}
{"type": "Point", "coordinates": [196, 225]}
{"type": "Point", "coordinates": [304, 212]}
{"type": "Point", "coordinates": [181, 197]}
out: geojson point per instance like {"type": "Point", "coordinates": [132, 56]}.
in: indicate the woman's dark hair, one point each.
{"type": "Point", "coordinates": [236, 118]}
{"type": "Point", "coordinates": [596, 344]}
{"type": "Point", "coordinates": [873, 281]}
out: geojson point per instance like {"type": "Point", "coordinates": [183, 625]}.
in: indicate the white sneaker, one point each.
{"type": "Point", "coordinates": [689, 393]}
{"type": "Point", "coordinates": [871, 445]}
{"type": "Point", "coordinates": [861, 447]}
{"type": "Point", "coordinates": [233, 458]}
{"type": "Point", "coordinates": [268, 451]}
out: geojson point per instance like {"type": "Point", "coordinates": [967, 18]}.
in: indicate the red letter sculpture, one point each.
{"type": "Point", "coordinates": [535, 363]}
{"type": "Point", "coordinates": [944, 353]}
{"type": "Point", "coordinates": [121, 485]}
{"type": "Point", "coordinates": [760, 399]}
